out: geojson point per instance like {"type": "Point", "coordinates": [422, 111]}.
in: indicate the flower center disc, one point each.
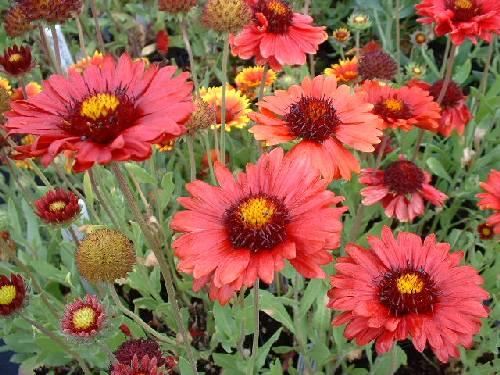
{"type": "Point", "coordinates": [84, 318]}
{"type": "Point", "coordinates": [313, 119]}
{"type": "Point", "coordinates": [403, 177]}
{"type": "Point", "coordinates": [274, 16]}
{"type": "Point", "coordinates": [452, 96]}
{"type": "Point", "coordinates": [463, 10]}
{"type": "Point", "coordinates": [420, 38]}
{"type": "Point", "coordinates": [257, 222]}
{"type": "Point", "coordinates": [101, 117]}
{"type": "Point", "coordinates": [392, 108]}
{"type": "Point", "coordinates": [57, 206]}
{"type": "Point", "coordinates": [7, 294]}
{"type": "Point", "coordinates": [407, 291]}
{"type": "Point", "coordinates": [15, 57]}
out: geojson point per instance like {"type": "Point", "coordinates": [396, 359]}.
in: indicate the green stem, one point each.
{"type": "Point", "coordinates": [81, 37]}
{"type": "Point", "coordinates": [209, 156]}
{"type": "Point", "coordinates": [187, 43]}
{"type": "Point", "coordinates": [102, 201]}
{"type": "Point", "coordinates": [398, 38]}
{"type": "Point", "coordinates": [262, 85]}
{"type": "Point", "coordinates": [192, 161]}
{"type": "Point", "coordinates": [449, 71]}
{"type": "Point", "coordinates": [100, 40]}
{"type": "Point", "coordinates": [225, 58]}
{"type": "Point", "coordinates": [356, 39]}
{"type": "Point", "coordinates": [255, 343]}
{"type": "Point", "coordinates": [154, 244]}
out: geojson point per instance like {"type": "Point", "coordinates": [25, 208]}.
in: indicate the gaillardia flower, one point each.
{"type": "Point", "coordinates": [402, 108]}
{"type": "Point", "coordinates": [249, 79]}
{"type": "Point", "coordinates": [83, 318]}
{"type": "Point", "coordinates": [56, 11]}
{"type": "Point", "coordinates": [12, 294]}
{"type": "Point", "coordinates": [375, 63]}
{"type": "Point", "coordinates": [109, 113]}
{"type": "Point", "coordinates": [485, 231]}
{"type": "Point", "coordinates": [490, 200]}
{"type": "Point", "coordinates": [176, 6]}
{"type": "Point", "coordinates": [17, 60]}
{"type": "Point", "coordinates": [16, 21]}
{"type": "Point", "coordinates": [105, 255]}
{"type": "Point", "coordinates": [203, 117]}
{"type": "Point", "coordinates": [461, 19]}
{"type": "Point", "coordinates": [341, 35]}
{"type": "Point", "coordinates": [359, 21]}
{"type": "Point", "coordinates": [139, 347]}
{"type": "Point", "coordinates": [96, 59]}
{"type": "Point", "coordinates": [324, 118]}
{"type": "Point", "coordinates": [58, 207]}
{"type": "Point", "coordinates": [277, 35]}
{"type": "Point", "coordinates": [226, 16]}
{"type": "Point", "coordinates": [244, 229]}
{"type": "Point", "coordinates": [144, 366]}
{"type": "Point", "coordinates": [419, 38]}
{"type": "Point", "coordinates": [405, 288]}
{"type": "Point", "coordinates": [346, 71]}
{"type": "Point", "coordinates": [402, 188]}
{"type": "Point", "coordinates": [237, 106]}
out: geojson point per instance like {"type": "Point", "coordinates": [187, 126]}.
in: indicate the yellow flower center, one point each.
{"type": "Point", "coordinates": [409, 283]}
{"type": "Point", "coordinates": [277, 7]}
{"type": "Point", "coordinates": [420, 38]}
{"type": "Point", "coordinates": [7, 294]}
{"type": "Point", "coordinates": [257, 212]}
{"type": "Point", "coordinates": [360, 19]}
{"type": "Point", "coordinates": [84, 318]}
{"type": "Point", "coordinates": [99, 106]}
{"type": "Point", "coordinates": [463, 4]}
{"type": "Point", "coordinates": [57, 206]}
{"type": "Point", "coordinates": [417, 70]}
{"type": "Point", "coordinates": [15, 57]}
{"type": "Point", "coordinates": [486, 231]}
{"type": "Point", "coordinates": [393, 104]}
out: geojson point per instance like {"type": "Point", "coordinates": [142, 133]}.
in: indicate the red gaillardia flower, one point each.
{"type": "Point", "coordinates": [56, 11]}
{"type": "Point", "coordinates": [145, 366]}
{"type": "Point", "coordinates": [402, 188]}
{"type": "Point", "coordinates": [109, 113]}
{"type": "Point", "coordinates": [375, 63]}
{"type": "Point", "coordinates": [83, 318]}
{"type": "Point", "coordinates": [471, 19]}
{"type": "Point", "coordinates": [277, 35]}
{"type": "Point", "coordinates": [12, 294]}
{"type": "Point", "coordinates": [58, 207]}
{"type": "Point", "coordinates": [408, 288]}
{"type": "Point", "coordinates": [17, 60]}
{"type": "Point", "coordinates": [243, 230]}
{"type": "Point", "coordinates": [485, 231]}
{"type": "Point", "coordinates": [140, 347]}
{"type": "Point", "coordinates": [402, 108]}
{"type": "Point", "coordinates": [16, 21]}
{"type": "Point", "coordinates": [490, 200]}
{"type": "Point", "coordinates": [324, 117]}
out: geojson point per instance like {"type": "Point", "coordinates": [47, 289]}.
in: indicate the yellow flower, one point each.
{"type": "Point", "coordinates": [345, 72]}
{"type": "Point", "coordinates": [249, 79]}
{"type": "Point", "coordinates": [4, 83]}
{"type": "Point", "coordinates": [237, 106]}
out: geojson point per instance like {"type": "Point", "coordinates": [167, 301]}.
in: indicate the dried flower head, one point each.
{"type": "Point", "coordinates": [57, 206]}
{"type": "Point", "coordinates": [144, 366]}
{"type": "Point", "coordinates": [105, 255]}
{"type": "Point", "coordinates": [226, 16]}
{"type": "Point", "coordinates": [54, 11]}
{"type": "Point", "coordinates": [377, 64]}
{"type": "Point", "coordinates": [12, 294]}
{"type": "Point", "coordinates": [203, 116]}
{"type": "Point", "coordinates": [140, 347]}
{"type": "Point", "coordinates": [4, 103]}
{"type": "Point", "coordinates": [359, 21]}
{"type": "Point", "coordinates": [341, 35]}
{"type": "Point", "coordinates": [83, 318]}
{"type": "Point", "coordinates": [17, 22]}
{"type": "Point", "coordinates": [176, 6]}
{"type": "Point", "coordinates": [17, 60]}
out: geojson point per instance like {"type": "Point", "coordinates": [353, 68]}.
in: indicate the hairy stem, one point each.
{"type": "Point", "coordinates": [225, 58]}
{"type": "Point", "coordinates": [192, 65]}
{"type": "Point", "coordinates": [102, 201]}
{"type": "Point", "coordinates": [95, 14]}
{"type": "Point", "coordinates": [255, 342]}
{"type": "Point", "coordinates": [192, 161]}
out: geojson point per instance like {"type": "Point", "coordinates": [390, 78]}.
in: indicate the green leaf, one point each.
{"type": "Point", "coordinates": [389, 362]}
{"type": "Point", "coordinates": [140, 174]}
{"type": "Point", "coordinates": [463, 72]}
{"type": "Point", "coordinates": [185, 367]}
{"type": "Point", "coordinates": [167, 188]}
{"type": "Point", "coordinates": [229, 362]}
{"type": "Point", "coordinates": [273, 307]}
{"type": "Point", "coordinates": [314, 289]}
{"type": "Point", "coordinates": [87, 189]}
{"type": "Point", "coordinates": [437, 168]}
{"type": "Point", "coordinates": [275, 368]}
{"type": "Point", "coordinates": [264, 349]}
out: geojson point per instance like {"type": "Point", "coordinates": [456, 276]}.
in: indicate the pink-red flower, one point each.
{"type": "Point", "coordinates": [12, 294]}
{"type": "Point", "coordinates": [145, 366]}
{"type": "Point", "coordinates": [461, 19]}
{"type": "Point", "coordinates": [407, 288]}
{"type": "Point", "coordinates": [402, 188]}
{"type": "Point", "coordinates": [17, 60]}
{"type": "Point", "coordinates": [58, 207]}
{"type": "Point", "coordinates": [324, 118]}
{"type": "Point", "coordinates": [402, 108]}
{"type": "Point", "coordinates": [83, 318]}
{"type": "Point", "coordinates": [112, 112]}
{"type": "Point", "coordinates": [490, 199]}
{"type": "Point", "coordinates": [244, 229]}
{"type": "Point", "coordinates": [277, 35]}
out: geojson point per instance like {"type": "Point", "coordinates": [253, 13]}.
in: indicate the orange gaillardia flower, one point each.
{"type": "Point", "coordinates": [17, 60]}
{"type": "Point", "coordinates": [249, 79]}
{"type": "Point", "coordinates": [404, 107]}
{"type": "Point", "coordinates": [12, 294]}
{"type": "Point", "coordinates": [341, 35]}
{"type": "Point", "coordinates": [105, 255]}
{"type": "Point", "coordinates": [96, 59]}
{"type": "Point", "coordinates": [58, 207]}
{"type": "Point", "coordinates": [402, 188]}
{"type": "Point", "coordinates": [245, 229]}
{"type": "Point", "coordinates": [346, 71]}
{"type": "Point", "coordinates": [110, 113]}
{"type": "Point", "coordinates": [237, 106]}
{"type": "Point", "coordinates": [324, 118]}
{"type": "Point", "coordinates": [490, 199]}
{"type": "Point", "coordinates": [462, 19]}
{"type": "Point", "coordinates": [408, 288]}
{"type": "Point", "coordinates": [83, 318]}
{"type": "Point", "coordinates": [277, 35]}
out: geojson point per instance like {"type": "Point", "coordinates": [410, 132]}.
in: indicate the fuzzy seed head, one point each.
{"type": "Point", "coordinates": [226, 16]}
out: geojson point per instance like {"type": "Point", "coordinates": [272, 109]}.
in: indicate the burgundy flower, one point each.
{"type": "Point", "coordinates": [17, 60]}
{"type": "Point", "coordinates": [145, 366]}
{"type": "Point", "coordinates": [141, 347]}
{"type": "Point", "coordinates": [57, 207]}
{"type": "Point", "coordinates": [83, 318]}
{"type": "Point", "coordinates": [12, 294]}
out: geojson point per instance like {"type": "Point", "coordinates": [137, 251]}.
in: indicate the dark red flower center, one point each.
{"type": "Point", "coordinates": [407, 291]}
{"type": "Point", "coordinates": [452, 96]}
{"type": "Point", "coordinates": [313, 119]}
{"type": "Point", "coordinates": [463, 10]}
{"type": "Point", "coordinates": [392, 108]}
{"type": "Point", "coordinates": [101, 117]}
{"type": "Point", "coordinates": [403, 177]}
{"type": "Point", "coordinates": [485, 231]}
{"type": "Point", "coordinates": [273, 16]}
{"type": "Point", "coordinates": [257, 222]}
